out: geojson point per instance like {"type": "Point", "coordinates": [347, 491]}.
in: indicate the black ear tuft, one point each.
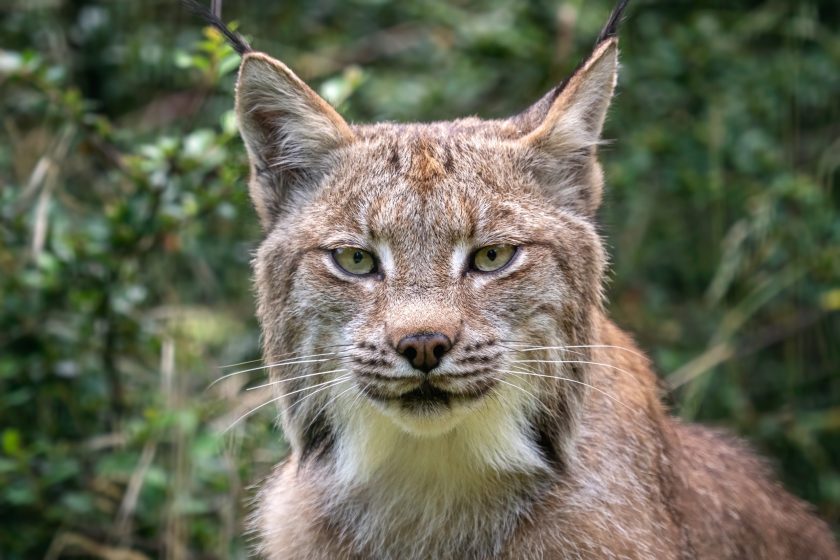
{"type": "Point", "coordinates": [236, 40]}
{"type": "Point", "coordinates": [611, 28]}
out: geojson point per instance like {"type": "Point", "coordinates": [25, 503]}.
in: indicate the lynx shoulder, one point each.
{"type": "Point", "coordinates": [455, 389]}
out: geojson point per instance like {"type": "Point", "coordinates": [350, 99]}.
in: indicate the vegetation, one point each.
{"type": "Point", "coordinates": [125, 233]}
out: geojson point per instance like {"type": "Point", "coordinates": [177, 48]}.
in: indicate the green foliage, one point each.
{"type": "Point", "coordinates": [125, 233]}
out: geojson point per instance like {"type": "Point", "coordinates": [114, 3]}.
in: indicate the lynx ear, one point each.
{"type": "Point", "coordinates": [564, 130]}
{"type": "Point", "coordinates": [289, 131]}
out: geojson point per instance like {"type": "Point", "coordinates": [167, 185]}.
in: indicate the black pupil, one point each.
{"type": "Point", "coordinates": [491, 254]}
{"type": "Point", "coordinates": [358, 256]}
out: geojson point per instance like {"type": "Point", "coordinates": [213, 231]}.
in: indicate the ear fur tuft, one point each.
{"type": "Point", "coordinates": [611, 27]}
{"type": "Point", "coordinates": [236, 40]}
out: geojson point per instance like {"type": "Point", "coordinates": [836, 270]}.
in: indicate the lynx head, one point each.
{"type": "Point", "coordinates": [408, 269]}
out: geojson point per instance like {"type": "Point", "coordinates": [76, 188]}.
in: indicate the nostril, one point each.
{"type": "Point", "coordinates": [425, 350]}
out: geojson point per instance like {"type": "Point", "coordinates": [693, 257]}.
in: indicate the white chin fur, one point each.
{"type": "Point", "coordinates": [491, 433]}
{"type": "Point", "coordinates": [432, 423]}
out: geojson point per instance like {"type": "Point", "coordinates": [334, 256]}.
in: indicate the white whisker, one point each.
{"type": "Point", "coordinates": [533, 348]}
{"type": "Point", "coordinates": [275, 399]}
{"type": "Point", "coordinates": [338, 381]}
{"type": "Point", "coordinates": [610, 366]}
{"type": "Point", "coordinates": [240, 363]}
{"type": "Point", "coordinates": [290, 362]}
{"type": "Point", "coordinates": [358, 397]}
{"type": "Point", "coordinates": [527, 392]}
{"type": "Point", "coordinates": [570, 381]}
{"type": "Point", "coordinates": [327, 404]}
{"type": "Point", "coordinates": [293, 378]}
{"type": "Point", "coordinates": [286, 354]}
{"type": "Point", "coordinates": [537, 399]}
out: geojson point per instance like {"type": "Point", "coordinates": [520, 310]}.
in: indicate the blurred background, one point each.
{"type": "Point", "coordinates": [126, 233]}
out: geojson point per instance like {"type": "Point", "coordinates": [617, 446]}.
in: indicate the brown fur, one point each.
{"type": "Point", "coordinates": [554, 443]}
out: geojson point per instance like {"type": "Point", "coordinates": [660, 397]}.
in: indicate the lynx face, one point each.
{"type": "Point", "coordinates": [413, 262]}
{"type": "Point", "coordinates": [423, 331]}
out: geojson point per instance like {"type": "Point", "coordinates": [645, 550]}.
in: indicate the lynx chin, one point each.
{"type": "Point", "coordinates": [432, 307]}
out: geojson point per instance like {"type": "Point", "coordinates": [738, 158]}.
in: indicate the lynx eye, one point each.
{"type": "Point", "coordinates": [354, 260]}
{"type": "Point", "coordinates": [492, 257]}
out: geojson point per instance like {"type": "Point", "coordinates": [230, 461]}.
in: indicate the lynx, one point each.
{"type": "Point", "coordinates": [432, 306]}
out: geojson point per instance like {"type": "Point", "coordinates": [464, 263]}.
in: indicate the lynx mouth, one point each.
{"type": "Point", "coordinates": [427, 397]}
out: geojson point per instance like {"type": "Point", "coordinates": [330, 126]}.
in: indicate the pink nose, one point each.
{"type": "Point", "coordinates": [424, 350]}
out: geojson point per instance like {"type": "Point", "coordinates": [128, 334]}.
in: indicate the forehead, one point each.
{"type": "Point", "coordinates": [443, 182]}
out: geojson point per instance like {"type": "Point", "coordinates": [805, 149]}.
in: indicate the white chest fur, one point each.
{"type": "Point", "coordinates": [421, 491]}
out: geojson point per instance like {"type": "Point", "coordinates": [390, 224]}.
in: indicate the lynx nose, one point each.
{"type": "Point", "coordinates": [425, 350]}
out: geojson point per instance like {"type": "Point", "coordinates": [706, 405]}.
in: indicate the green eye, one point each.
{"type": "Point", "coordinates": [354, 260]}
{"type": "Point", "coordinates": [492, 257]}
